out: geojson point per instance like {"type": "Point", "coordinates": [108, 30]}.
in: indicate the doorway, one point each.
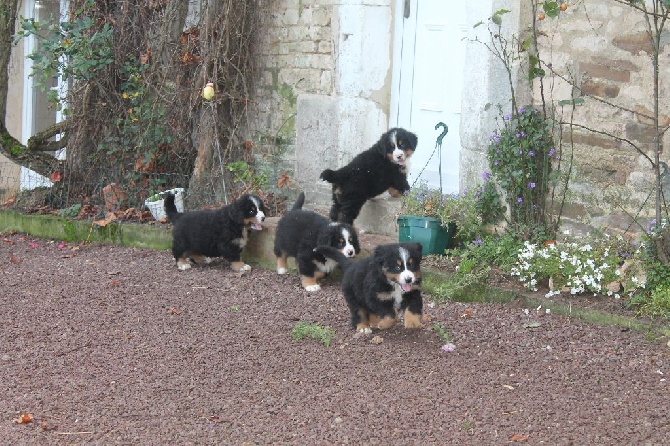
{"type": "Point", "coordinates": [429, 58]}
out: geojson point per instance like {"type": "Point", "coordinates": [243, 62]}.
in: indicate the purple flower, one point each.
{"type": "Point", "coordinates": [522, 110]}
{"type": "Point", "coordinates": [519, 200]}
{"type": "Point", "coordinates": [495, 163]}
{"type": "Point", "coordinates": [520, 151]}
{"type": "Point", "coordinates": [477, 241]}
{"type": "Point", "coordinates": [449, 347]}
{"type": "Point", "coordinates": [651, 226]}
{"type": "Point", "coordinates": [531, 185]}
{"type": "Point", "coordinates": [551, 152]}
{"type": "Point", "coordinates": [486, 175]}
{"type": "Point", "coordinates": [531, 153]}
{"type": "Point", "coordinates": [521, 134]}
{"type": "Point", "coordinates": [506, 117]}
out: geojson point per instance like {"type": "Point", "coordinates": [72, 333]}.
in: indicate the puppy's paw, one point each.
{"type": "Point", "coordinates": [412, 323]}
{"type": "Point", "coordinates": [282, 271]}
{"type": "Point", "coordinates": [386, 322]}
{"type": "Point", "coordinates": [365, 330]}
{"type": "Point", "coordinates": [240, 267]}
{"type": "Point", "coordinates": [312, 288]}
{"type": "Point", "coordinates": [184, 266]}
{"type": "Point", "coordinates": [412, 320]}
{"type": "Point", "coordinates": [208, 260]}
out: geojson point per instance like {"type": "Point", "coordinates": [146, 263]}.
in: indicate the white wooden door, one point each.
{"type": "Point", "coordinates": [429, 57]}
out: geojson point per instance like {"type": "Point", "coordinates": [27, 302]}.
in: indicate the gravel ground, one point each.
{"type": "Point", "coordinates": [113, 345]}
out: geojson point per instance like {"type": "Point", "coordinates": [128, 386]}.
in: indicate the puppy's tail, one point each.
{"type": "Point", "coordinates": [332, 253]}
{"type": "Point", "coordinates": [330, 176]}
{"type": "Point", "coordinates": [170, 208]}
{"type": "Point", "coordinates": [299, 202]}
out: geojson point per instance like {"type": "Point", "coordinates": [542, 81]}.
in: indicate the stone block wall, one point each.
{"type": "Point", "coordinates": [295, 57]}
{"type": "Point", "coordinates": [603, 48]}
{"type": "Point", "coordinates": [323, 90]}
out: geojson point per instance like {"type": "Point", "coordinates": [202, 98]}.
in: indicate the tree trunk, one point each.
{"type": "Point", "coordinates": [7, 23]}
{"type": "Point", "coordinates": [32, 156]}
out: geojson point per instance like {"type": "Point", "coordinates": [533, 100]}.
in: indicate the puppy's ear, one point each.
{"type": "Point", "coordinates": [386, 143]}
{"type": "Point", "coordinates": [415, 249]}
{"type": "Point", "coordinates": [237, 209]}
{"type": "Point", "coordinates": [412, 139]}
{"type": "Point", "coordinates": [380, 254]}
{"type": "Point", "coordinates": [356, 243]}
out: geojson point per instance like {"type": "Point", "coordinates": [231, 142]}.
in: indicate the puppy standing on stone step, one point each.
{"type": "Point", "coordinates": [382, 167]}
{"type": "Point", "coordinates": [380, 286]}
{"type": "Point", "coordinates": [299, 231]}
{"type": "Point", "coordinates": [200, 235]}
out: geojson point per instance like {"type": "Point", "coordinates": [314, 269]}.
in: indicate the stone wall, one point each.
{"type": "Point", "coordinates": [318, 100]}
{"type": "Point", "coordinates": [323, 94]}
{"type": "Point", "coordinates": [602, 47]}
{"type": "Point", "coordinates": [295, 58]}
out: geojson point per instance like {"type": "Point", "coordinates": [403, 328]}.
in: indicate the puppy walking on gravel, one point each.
{"type": "Point", "coordinates": [299, 231]}
{"type": "Point", "coordinates": [378, 287]}
{"type": "Point", "coordinates": [203, 234]}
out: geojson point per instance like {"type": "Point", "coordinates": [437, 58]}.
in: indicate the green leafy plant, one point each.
{"type": "Point", "coordinates": [71, 212]}
{"type": "Point", "coordinates": [652, 278]}
{"type": "Point", "coordinates": [78, 49]}
{"type": "Point", "coordinates": [470, 210]}
{"type": "Point", "coordinates": [250, 179]}
{"type": "Point", "coordinates": [154, 198]}
{"type": "Point", "coordinates": [302, 330]}
{"type": "Point", "coordinates": [520, 156]}
{"type": "Point", "coordinates": [443, 333]}
{"type": "Point", "coordinates": [658, 303]}
{"type": "Point", "coordinates": [475, 261]}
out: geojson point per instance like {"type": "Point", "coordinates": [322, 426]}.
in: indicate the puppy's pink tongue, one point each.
{"type": "Point", "coordinates": [256, 226]}
{"type": "Point", "coordinates": [406, 286]}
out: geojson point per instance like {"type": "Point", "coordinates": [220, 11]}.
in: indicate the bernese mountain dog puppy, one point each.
{"type": "Point", "coordinates": [383, 167]}
{"type": "Point", "coordinates": [380, 286]}
{"type": "Point", "coordinates": [203, 234]}
{"type": "Point", "coordinates": [299, 231]}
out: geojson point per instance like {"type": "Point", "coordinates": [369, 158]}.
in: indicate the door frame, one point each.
{"type": "Point", "coordinates": [403, 55]}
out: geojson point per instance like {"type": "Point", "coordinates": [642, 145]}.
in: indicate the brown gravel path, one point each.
{"type": "Point", "coordinates": [112, 345]}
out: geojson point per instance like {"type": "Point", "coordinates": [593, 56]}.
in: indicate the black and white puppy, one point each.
{"type": "Point", "coordinates": [203, 234]}
{"type": "Point", "coordinates": [299, 231]}
{"type": "Point", "coordinates": [383, 167]}
{"type": "Point", "coordinates": [380, 286]}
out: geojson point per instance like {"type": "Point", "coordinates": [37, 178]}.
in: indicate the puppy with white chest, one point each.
{"type": "Point", "coordinates": [379, 287]}
{"type": "Point", "coordinates": [299, 231]}
{"type": "Point", "coordinates": [382, 167]}
{"type": "Point", "coordinates": [203, 234]}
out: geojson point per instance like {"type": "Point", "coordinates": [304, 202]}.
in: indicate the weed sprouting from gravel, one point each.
{"type": "Point", "coordinates": [302, 330]}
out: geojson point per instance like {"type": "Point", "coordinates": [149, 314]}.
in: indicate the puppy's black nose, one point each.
{"type": "Point", "coordinates": [408, 280]}
{"type": "Point", "coordinates": [263, 218]}
{"type": "Point", "coordinates": [350, 253]}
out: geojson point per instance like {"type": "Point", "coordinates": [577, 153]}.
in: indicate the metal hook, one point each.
{"type": "Point", "coordinates": [444, 132]}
